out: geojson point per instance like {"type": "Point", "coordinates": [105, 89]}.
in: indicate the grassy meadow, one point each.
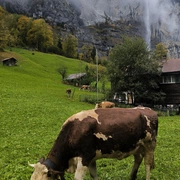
{"type": "Point", "coordinates": [33, 107]}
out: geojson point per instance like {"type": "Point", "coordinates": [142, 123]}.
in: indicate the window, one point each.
{"type": "Point", "coordinates": [177, 78]}
{"type": "Point", "coordinates": [170, 79]}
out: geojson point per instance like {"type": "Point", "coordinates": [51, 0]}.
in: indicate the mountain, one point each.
{"type": "Point", "coordinates": [103, 22]}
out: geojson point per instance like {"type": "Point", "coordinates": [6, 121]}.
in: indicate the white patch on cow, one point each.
{"type": "Point", "coordinates": [148, 136]}
{"type": "Point", "coordinates": [148, 121]}
{"type": "Point", "coordinates": [141, 107]}
{"type": "Point", "coordinates": [102, 136]}
{"type": "Point", "coordinates": [73, 164]}
{"type": "Point", "coordinates": [98, 154]}
{"type": "Point", "coordinates": [96, 106]}
{"type": "Point", "coordinates": [81, 170]}
{"type": "Point", "coordinates": [82, 115]}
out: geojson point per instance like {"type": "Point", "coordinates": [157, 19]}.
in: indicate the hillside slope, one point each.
{"type": "Point", "coordinates": [33, 107]}
{"type": "Point", "coordinates": [37, 72]}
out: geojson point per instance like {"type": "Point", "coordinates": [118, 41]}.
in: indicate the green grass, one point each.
{"type": "Point", "coordinates": [33, 107]}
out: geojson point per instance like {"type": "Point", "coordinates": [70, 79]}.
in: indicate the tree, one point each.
{"type": "Point", "coordinates": [62, 71]}
{"type": "Point", "coordinates": [132, 68]}
{"type": "Point", "coordinates": [11, 22]}
{"type": "Point", "coordinates": [91, 74]}
{"type": "Point", "coordinates": [24, 25]}
{"type": "Point", "coordinates": [69, 46]}
{"type": "Point", "coordinates": [4, 34]}
{"type": "Point", "coordinates": [93, 54]}
{"type": "Point", "coordinates": [4, 31]}
{"type": "Point", "coordinates": [87, 52]}
{"type": "Point", "coordinates": [40, 35]}
{"type": "Point", "coordinates": [161, 52]}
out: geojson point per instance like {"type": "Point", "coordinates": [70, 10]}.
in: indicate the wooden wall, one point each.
{"type": "Point", "coordinates": [172, 93]}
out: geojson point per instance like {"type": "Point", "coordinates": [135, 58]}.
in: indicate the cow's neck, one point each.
{"type": "Point", "coordinates": [60, 154]}
{"type": "Point", "coordinates": [50, 164]}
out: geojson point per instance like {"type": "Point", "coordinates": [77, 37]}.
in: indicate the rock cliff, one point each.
{"type": "Point", "coordinates": [103, 22]}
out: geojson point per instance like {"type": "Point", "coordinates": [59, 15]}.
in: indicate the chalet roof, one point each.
{"type": "Point", "coordinates": [75, 76]}
{"type": "Point", "coordinates": [6, 59]}
{"type": "Point", "coordinates": [171, 65]}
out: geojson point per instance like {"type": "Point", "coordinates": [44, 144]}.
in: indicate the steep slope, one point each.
{"type": "Point", "coordinates": [156, 21]}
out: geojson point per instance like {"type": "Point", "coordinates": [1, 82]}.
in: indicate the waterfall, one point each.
{"type": "Point", "coordinates": [97, 72]}
{"type": "Point", "coordinates": [147, 24]}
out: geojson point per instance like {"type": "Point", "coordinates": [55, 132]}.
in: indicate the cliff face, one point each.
{"type": "Point", "coordinates": [103, 22]}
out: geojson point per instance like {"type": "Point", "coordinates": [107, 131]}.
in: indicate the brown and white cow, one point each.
{"type": "Point", "coordinates": [85, 87]}
{"type": "Point", "coordinates": [68, 91]}
{"type": "Point", "coordinates": [101, 133]}
{"type": "Point", "coordinates": [105, 104]}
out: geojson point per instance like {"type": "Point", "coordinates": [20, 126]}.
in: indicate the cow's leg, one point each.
{"type": "Point", "coordinates": [149, 158]}
{"type": "Point", "coordinates": [80, 171]}
{"type": "Point", "coordinates": [149, 163]}
{"type": "Point", "coordinates": [93, 170]}
{"type": "Point", "coordinates": [137, 161]}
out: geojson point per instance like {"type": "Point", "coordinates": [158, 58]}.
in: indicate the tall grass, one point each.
{"type": "Point", "coordinates": [33, 107]}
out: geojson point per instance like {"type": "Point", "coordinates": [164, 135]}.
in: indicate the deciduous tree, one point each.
{"type": "Point", "coordinates": [133, 68]}
{"type": "Point", "coordinates": [23, 26]}
{"type": "Point", "coordinates": [62, 71]}
{"type": "Point", "coordinates": [87, 52]}
{"type": "Point", "coordinates": [4, 31]}
{"type": "Point", "coordinates": [69, 46]}
{"type": "Point", "coordinates": [40, 35]}
{"type": "Point", "coordinates": [161, 52]}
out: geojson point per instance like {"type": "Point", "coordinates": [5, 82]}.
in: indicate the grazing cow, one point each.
{"type": "Point", "coordinates": [105, 104]}
{"type": "Point", "coordinates": [101, 133]}
{"type": "Point", "coordinates": [85, 87]}
{"type": "Point", "coordinates": [68, 91]}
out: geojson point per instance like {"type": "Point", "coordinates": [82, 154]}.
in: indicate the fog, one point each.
{"type": "Point", "coordinates": [161, 14]}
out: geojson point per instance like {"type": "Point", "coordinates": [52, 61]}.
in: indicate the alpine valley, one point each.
{"type": "Point", "coordinates": [104, 22]}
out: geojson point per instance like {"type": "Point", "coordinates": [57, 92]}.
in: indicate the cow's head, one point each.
{"type": "Point", "coordinates": [41, 172]}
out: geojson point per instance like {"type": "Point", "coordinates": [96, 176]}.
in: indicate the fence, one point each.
{"type": "Point", "coordinates": [169, 110]}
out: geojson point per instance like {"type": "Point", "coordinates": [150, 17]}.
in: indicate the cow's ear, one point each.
{"type": "Point", "coordinates": [54, 174]}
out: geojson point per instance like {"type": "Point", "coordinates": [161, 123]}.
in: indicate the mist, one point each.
{"type": "Point", "coordinates": [161, 14]}
{"type": "Point", "coordinates": [155, 14]}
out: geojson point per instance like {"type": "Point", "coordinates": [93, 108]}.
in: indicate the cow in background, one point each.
{"type": "Point", "coordinates": [68, 91]}
{"type": "Point", "coordinates": [105, 104]}
{"type": "Point", "coordinates": [85, 87]}
{"type": "Point", "coordinates": [101, 133]}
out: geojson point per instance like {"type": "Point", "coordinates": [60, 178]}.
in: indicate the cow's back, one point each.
{"type": "Point", "coordinates": [117, 129]}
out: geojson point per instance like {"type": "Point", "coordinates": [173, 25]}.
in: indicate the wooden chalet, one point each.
{"type": "Point", "coordinates": [170, 81]}
{"type": "Point", "coordinates": [9, 61]}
